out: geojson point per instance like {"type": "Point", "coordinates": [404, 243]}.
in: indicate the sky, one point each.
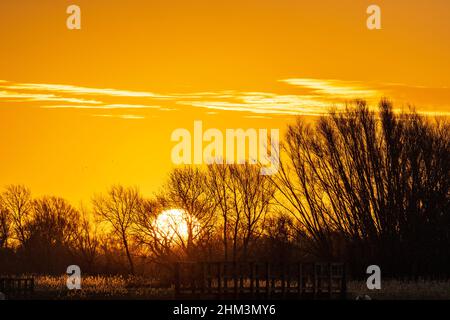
{"type": "Point", "coordinates": [81, 110]}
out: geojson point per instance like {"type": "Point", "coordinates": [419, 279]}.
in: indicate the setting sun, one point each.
{"type": "Point", "coordinates": [173, 223]}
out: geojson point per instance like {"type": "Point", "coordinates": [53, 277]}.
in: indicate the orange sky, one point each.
{"type": "Point", "coordinates": [234, 63]}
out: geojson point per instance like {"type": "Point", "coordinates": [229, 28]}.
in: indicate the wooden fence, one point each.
{"type": "Point", "coordinates": [17, 287]}
{"type": "Point", "coordinates": [251, 280]}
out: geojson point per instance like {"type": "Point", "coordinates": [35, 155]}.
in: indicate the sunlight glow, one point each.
{"type": "Point", "coordinates": [174, 223]}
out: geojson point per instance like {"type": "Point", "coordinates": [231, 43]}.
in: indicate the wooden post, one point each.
{"type": "Point", "coordinates": [330, 280]}
{"type": "Point", "coordinates": [193, 279]}
{"type": "Point", "coordinates": [300, 280]}
{"type": "Point", "coordinates": [288, 278]}
{"type": "Point", "coordinates": [235, 280]}
{"type": "Point", "coordinates": [225, 278]}
{"type": "Point", "coordinates": [283, 280]}
{"type": "Point", "coordinates": [177, 279]}
{"type": "Point", "coordinates": [241, 278]}
{"type": "Point", "coordinates": [257, 278]}
{"type": "Point", "coordinates": [319, 277]}
{"type": "Point", "coordinates": [273, 285]}
{"type": "Point", "coordinates": [219, 282]}
{"type": "Point", "coordinates": [315, 280]}
{"type": "Point", "coordinates": [267, 280]}
{"type": "Point", "coordinates": [203, 279]}
{"type": "Point", "coordinates": [252, 275]}
{"type": "Point", "coordinates": [209, 275]}
{"type": "Point", "coordinates": [344, 282]}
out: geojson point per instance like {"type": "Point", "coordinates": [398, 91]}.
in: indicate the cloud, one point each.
{"type": "Point", "coordinates": [257, 117]}
{"type": "Point", "coordinates": [120, 116]}
{"type": "Point", "coordinates": [10, 96]}
{"type": "Point", "coordinates": [265, 103]}
{"type": "Point", "coordinates": [106, 106]}
{"type": "Point", "coordinates": [302, 96]}
{"type": "Point", "coordinates": [75, 97]}
{"type": "Point", "coordinates": [335, 88]}
{"type": "Point", "coordinates": [60, 88]}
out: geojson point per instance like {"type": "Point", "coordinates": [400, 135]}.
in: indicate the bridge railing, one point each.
{"type": "Point", "coordinates": [260, 280]}
{"type": "Point", "coordinates": [17, 287]}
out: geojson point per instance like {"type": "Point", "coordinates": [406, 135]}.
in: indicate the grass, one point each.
{"type": "Point", "coordinates": [119, 287]}
{"type": "Point", "coordinates": [402, 290]}
{"type": "Point", "coordinates": [101, 287]}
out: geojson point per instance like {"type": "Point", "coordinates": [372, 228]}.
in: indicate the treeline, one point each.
{"type": "Point", "coordinates": [354, 186]}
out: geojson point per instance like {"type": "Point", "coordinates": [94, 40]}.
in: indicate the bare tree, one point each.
{"type": "Point", "coordinates": [54, 221]}
{"type": "Point", "coordinates": [187, 190]}
{"type": "Point", "coordinates": [377, 181]}
{"type": "Point", "coordinates": [253, 195]}
{"type": "Point", "coordinates": [88, 239]}
{"type": "Point", "coordinates": [5, 225]}
{"type": "Point", "coordinates": [158, 243]}
{"type": "Point", "coordinates": [17, 201]}
{"type": "Point", "coordinates": [117, 209]}
{"type": "Point", "coordinates": [51, 235]}
{"type": "Point", "coordinates": [243, 197]}
{"type": "Point", "coordinates": [220, 192]}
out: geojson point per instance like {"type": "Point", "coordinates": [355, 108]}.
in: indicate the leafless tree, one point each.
{"type": "Point", "coordinates": [54, 221]}
{"type": "Point", "coordinates": [243, 197]}
{"type": "Point", "coordinates": [118, 209]}
{"type": "Point", "coordinates": [220, 192]}
{"type": "Point", "coordinates": [379, 181]}
{"type": "Point", "coordinates": [159, 244]}
{"type": "Point", "coordinates": [5, 226]}
{"type": "Point", "coordinates": [17, 201]}
{"type": "Point", "coordinates": [187, 189]}
{"type": "Point", "coordinates": [253, 195]}
{"type": "Point", "coordinates": [88, 239]}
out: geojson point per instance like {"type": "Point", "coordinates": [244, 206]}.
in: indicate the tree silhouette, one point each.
{"type": "Point", "coordinates": [355, 185]}
{"type": "Point", "coordinates": [52, 232]}
{"type": "Point", "coordinates": [380, 182]}
{"type": "Point", "coordinates": [117, 209]}
{"type": "Point", "coordinates": [5, 226]}
{"type": "Point", "coordinates": [16, 200]}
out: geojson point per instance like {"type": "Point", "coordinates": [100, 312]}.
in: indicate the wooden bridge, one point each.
{"type": "Point", "coordinates": [17, 288]}
{"type": "Point", "coordinates": [252, 280]}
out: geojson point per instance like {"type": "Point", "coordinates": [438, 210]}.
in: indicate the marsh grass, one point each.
{"type": "Point", "coordinates": [119, 287]}
{"type": "Point", "coordinates": [402, 290]}
{"type": "Point", "coordinates": [101, 287]}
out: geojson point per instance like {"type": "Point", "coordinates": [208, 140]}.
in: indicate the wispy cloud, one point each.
{"type": "Point", "coordinates": [120, 116]}
{"type": "Point", "coordinates": [265, 103]}
{"type": "Point", "coordinates": [10, 96]}
{"type": "Point", "coordinates": [82, 90]}
{"type": "Point", "coordinates": [75, 97]}
{"type": "Point", "coordinates": [301, 96]}
{"type": "Point", "coordinates": [335, 88]}
{"type": "Point", "coordinates": [106, 106]}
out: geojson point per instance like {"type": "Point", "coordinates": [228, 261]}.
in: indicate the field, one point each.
{"type": "Point", "coordinates": [403, 290]}
{"type": "Point", "coordinates": [118, 287]}
{"type": "Point", "coordinates": [101, 287]}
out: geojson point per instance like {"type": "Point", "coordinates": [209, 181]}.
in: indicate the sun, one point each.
{"type": "Point", "coordinates": [173, 223]}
